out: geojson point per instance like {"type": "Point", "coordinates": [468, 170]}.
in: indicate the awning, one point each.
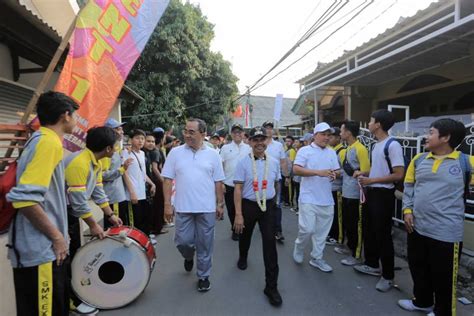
{"type": "Point", "coordinates": [440, 38]}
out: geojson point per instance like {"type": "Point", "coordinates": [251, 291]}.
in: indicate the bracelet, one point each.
{"type": "Point", "coordinates": [407, 211]}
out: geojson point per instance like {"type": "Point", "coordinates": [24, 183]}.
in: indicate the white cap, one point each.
{"type": "Point", "coordinates": [322, 127]}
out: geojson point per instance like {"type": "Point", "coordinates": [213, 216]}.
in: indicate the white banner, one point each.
{"type": "Point", "coordinates": [278, 107]}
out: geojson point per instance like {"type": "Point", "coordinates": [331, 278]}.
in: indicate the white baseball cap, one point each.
{"type": "Point", "coordinates": [323, 127]}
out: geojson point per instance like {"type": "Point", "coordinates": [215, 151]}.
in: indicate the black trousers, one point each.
{"type": "Point", "coordinates": [337, 231]}
{"type": "Point", "coordinates": [252, 214]}
{"type": "Point", "coordinates": [157, 209]}
{"type": "Point", "coordinates": [121, 210]}
{"type": "Point", "coordinates": [141, 216]}
{"type": "Point", "coordinates": [74, 230]}
{"type": "Point", "coordinates": [296, 192]}
{"type": "Point", "coordinates": [434, 269]}
{"type": "Point", "coordinates": [42, 290]}
{"type": "Point", "coordinates": [229, 204]}
{"type": "Point", "coordinates": [377, 230]}
{"type": "Point", "coordinates": [352, 224]}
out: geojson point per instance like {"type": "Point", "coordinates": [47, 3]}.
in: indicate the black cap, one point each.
{"type": "Point", "coordinates": [216, 135]}
{"type": "Point", "coordinates": [237, 126]}
{"type": "Point", "coordinates": [337, 131]}
{"type": "Point", "coordinates": [257, 131]}
{"type": "Point", "coordinates": [267, 124]}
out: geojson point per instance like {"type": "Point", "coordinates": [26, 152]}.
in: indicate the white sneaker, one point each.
{"type": "Point", "coordinates": [153, 242]}
{"type": "Point", "coordinates": [384, 285]}
{"type": "Point", "coordinates": [85, 309]}
{"type": "Point", "coordinates": [168, 225]}
{"type": "Point", "coordinates": [152, 236]}
{"type": "Point", "coordinates": [363, 268]}
{"type": "Point", "coordinates": [342, 251]}
{"type": "Point", "coordinates": [409, 306]}
{"type": "Point", "coordinates": [350, 261]}
{"type": "Point", "coordinates": [431, 314]}
{"type": "Point", "coordinates": [298, 256]}
{"type": "Point", "coordinates": [320, 264]}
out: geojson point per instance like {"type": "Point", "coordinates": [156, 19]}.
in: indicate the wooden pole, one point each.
{"type": "Point", "coordinates": [43, 83]}
{"type": "Point", "coordinates": [49, 71]}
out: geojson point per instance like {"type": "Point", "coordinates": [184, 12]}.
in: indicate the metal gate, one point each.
{"type": "Point", "coordinates": [414, 145]}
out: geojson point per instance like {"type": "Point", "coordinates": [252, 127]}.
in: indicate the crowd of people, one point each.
{"type": "Point", "coordinates": [343, 196]}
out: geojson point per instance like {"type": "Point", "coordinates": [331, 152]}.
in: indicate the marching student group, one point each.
{"type": "Point", "coordinates": [343, 195]}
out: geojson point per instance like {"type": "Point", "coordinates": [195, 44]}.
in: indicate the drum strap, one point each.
{"type": "Point", "coordinates": [116, 209]}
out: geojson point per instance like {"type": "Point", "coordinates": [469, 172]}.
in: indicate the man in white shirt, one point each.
{"type": "Point", "coordinates": [256, 177]}
{"type": "Point", "coordinates": [275, 149]}
{"type": "Point", "coordinates": [318, 166]}
{"type": "Point", "coordinates": [231, 154]}
{"type": "Point", "coordinates": [388, 166]}
{"type": "Point", "coordinates": [198, 175]}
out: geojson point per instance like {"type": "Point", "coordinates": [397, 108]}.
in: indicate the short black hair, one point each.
{"type": "Point", "coordinates": [290, 137]}
{"type": "Point", "coordinates": [158, 136]}
{"type": "Point", "coordinates": [137, 132]}
{"type": "Point", "coordinates": [150, 134]}
{"type": "Point", "coordinates": [51, 105]}
{"type": "Point", "coordinates": [99, 138]}
{"type": "Point", "coordinates": [202, 126]}
{"type": "Point", "coordinates": [385, 118]}
{"type": "Point", "coordinates": [352, 126]}
{"type": "Point", "coordinates": [455, 129]}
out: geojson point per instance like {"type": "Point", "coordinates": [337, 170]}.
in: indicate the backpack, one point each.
{"type": "Point", "coordinates": [7, 182]}
{"type": "Point", "coordinates": [465, 167]}
{"type": "Point", "coordinates": [406, 162]}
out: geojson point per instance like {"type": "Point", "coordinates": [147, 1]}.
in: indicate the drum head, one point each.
{"type": "Point", "coordinates": [107, 275]}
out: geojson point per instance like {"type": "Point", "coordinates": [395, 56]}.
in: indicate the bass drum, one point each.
{"type": "Point", "coordinates": [113, 272]}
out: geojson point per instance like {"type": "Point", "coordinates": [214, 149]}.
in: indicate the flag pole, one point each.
{"type": "Point", "coordinates": [49, 71]}
{"type": "Point", "coordinates": [42, 85]}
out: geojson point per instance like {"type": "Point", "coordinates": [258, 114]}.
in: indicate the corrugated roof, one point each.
{"type": "Point", "coordinates": [33, 18]}
{"type": "Point", "coordinates": [402, 22]}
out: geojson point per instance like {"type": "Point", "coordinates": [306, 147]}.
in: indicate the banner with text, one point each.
{"type": "Point", "coordinates": [107, 41]}
{"type": "Point", "coordinates": [278, 107]}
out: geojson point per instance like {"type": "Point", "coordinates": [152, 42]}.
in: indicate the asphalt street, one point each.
{"type": "Point", "coordinates": [304, 289]}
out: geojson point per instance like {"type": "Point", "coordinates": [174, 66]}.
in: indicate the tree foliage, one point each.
{"type": "Point", "coordinates": [178, 75]}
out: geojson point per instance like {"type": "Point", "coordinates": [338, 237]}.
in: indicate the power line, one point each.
{"type": "Point", "coordinates": [316, 46]}
{"type": "Point", "coordinates": [300, 41]}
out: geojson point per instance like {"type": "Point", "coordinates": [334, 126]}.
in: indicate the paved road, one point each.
{"type": "Point", "coordinates": [305, 290]}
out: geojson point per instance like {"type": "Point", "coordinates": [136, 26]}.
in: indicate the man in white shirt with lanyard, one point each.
{"type": "Point", "coordinates": [318, 166]}
{"type": "Point", "coordinates": [388, 166]}
{"type": "Point", "coordinates": [231, 154]}
{"type": "Point", "coordinates": [276, 150]}
{"type": "Point", "coordinates": [255, 181]}
{"type": "Point", "coordinates": [198, 175]}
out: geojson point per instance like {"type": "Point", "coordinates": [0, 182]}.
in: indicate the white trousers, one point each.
{"type": "Point", "coordinates": [314, 221]}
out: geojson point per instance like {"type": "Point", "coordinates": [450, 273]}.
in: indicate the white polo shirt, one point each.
{"type": "Point", "coordinates": [231, 154]}
{"type": "Point", "coordinates": [244, 175]}
{"type": "Point", "coordinates": [379, 166]}
{"type": "Point", "coordinates": [276, 150]}
{"type": "Point", "coordinates": [316, 190]}
{"type": "Point", "coordinates": [195, 174]}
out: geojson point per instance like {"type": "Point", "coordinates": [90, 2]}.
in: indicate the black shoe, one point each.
{"type": "Point", "coordinates": [273, 296]}
{"type": "Point", "coordinates": [279, 237]}
{"type": "Point", "coordinates": [188, 264]}
{"type": "Point", "coordinates": [242, 264]}
{"type": "Point", "coordinates": [204, 285]}
{"type": "Point", "coordinates": [235, 236]}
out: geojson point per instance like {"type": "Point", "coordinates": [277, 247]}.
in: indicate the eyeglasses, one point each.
{"type": "Point", "coordinates": [189, 132]}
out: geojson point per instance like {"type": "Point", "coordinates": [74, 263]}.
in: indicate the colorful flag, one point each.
{"type": "Point", "coordinates": [247, 115]}
{"type": "Point", "coordinates": [108, 39]}
{"type": "Point", "coordinates": [238, 111]}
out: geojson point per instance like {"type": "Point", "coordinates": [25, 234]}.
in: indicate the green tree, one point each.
{"type": "Point", "coordinates": [178, 75]}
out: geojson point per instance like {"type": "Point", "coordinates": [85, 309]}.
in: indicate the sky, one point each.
{"type": "Point", "coordinates": [254, 34]}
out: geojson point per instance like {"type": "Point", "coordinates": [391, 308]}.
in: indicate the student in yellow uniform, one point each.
{"type": "Point", "coordinates": [38, 234]}
{"type": "Point", "coordinates": [436, 186]}
{"type": "Point", "coordinates": [336, 234]}
{"type": "Point", "coordinates": [355, 163]}
{"type": "Point", "coordinates": [84, 182]}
